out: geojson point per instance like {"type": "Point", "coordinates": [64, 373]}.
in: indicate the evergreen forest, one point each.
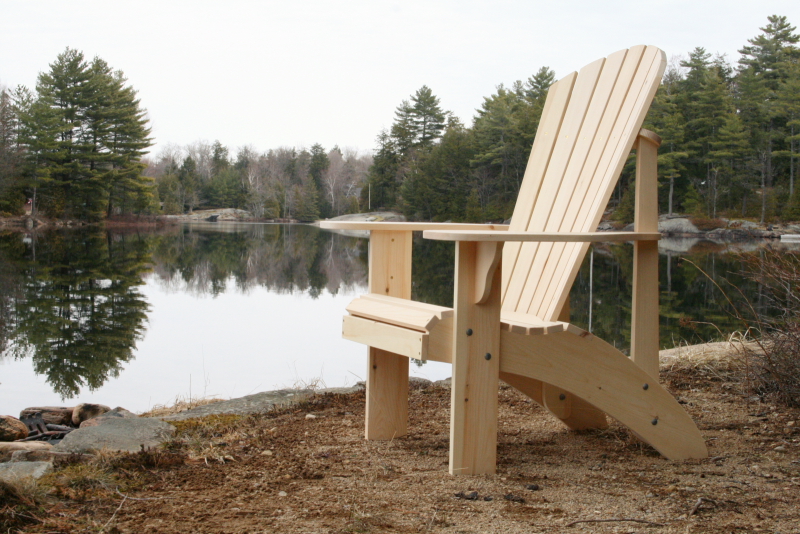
{"type": "Point", "coordinates": [76, 147]}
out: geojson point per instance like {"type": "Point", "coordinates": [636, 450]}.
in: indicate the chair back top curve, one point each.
{"type": "Point", "coordinates": [589, 124]}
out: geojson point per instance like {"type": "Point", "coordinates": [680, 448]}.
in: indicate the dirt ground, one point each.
{"type": "Point", "coordinates": [308, 469]}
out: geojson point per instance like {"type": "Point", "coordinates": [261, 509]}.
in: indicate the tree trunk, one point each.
{"type": "Point", "coordinates": [764, 160]}
{"type": "Point", "coordinates": [671, 191]}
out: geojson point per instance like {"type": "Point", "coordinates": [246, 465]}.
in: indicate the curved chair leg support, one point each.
{"type": "Point", "coordinates": [604, 377]}
{"type": "Point", "coordinates": [574, 412]}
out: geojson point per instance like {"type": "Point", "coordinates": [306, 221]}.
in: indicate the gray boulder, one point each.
{"type": "Point", "coordinates": [116, 433]}
{"type": "Point", "coordinates": [676, 225]}
{"type": "Point", "coordinates": [259, 402]}
{"type": "Point", "coordinates": [17, 470]}
{"type": "Point", "coordinates": [45, 455]}
{"type": "Point", "coordinates": [85, 411]}
{"type": "Point", "coordinates": [9, 448]}
{"type": "Point", "coordinates": [116, 413]}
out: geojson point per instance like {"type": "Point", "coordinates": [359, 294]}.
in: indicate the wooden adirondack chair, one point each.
{"type": "Point", "coordinates": [510, 318]}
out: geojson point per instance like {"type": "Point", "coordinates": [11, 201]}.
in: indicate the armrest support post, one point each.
{"type": "Point", "coordinates": [644, 316]}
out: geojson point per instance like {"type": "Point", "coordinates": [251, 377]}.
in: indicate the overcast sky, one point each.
{"type": "Point", "coordinates": [294, 73]}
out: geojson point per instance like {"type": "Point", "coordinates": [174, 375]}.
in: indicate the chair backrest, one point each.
{"type": "Point", "coordinates": [588, 127]}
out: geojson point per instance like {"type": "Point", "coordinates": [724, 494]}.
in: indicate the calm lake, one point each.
{"type": "Point", "coordinates": [135, 318]}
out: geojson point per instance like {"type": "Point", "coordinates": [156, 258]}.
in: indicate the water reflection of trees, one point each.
{"type": "Point", "coordinates": [75, 306]}
{"type": "Point", "coordinates": [692, 307]}
{"type": "Point", "coordinates": [281, 258]}
{"type": "Point", "coordinates": [71, 300]}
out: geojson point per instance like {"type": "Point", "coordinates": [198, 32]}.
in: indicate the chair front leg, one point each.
{"type": "Point", "coordinates": [387, 373]}
{"type": "Point", "coordinates": [476, 358]}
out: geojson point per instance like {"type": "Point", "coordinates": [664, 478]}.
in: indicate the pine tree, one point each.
{"type": "Point", "coordinates": [762, 69]}
{"type": "Point", "coordinates": [666, 120]}
{"type": "Point", "coordinates": [318, 164]}
{"type": "Point", "coordinates": [427, 120]}
{"type": "Point", "coordinates": [382, 188]}
{"type": "Point", "coordinates": [11, 197]}
{"type": "Point", "coordinates": [85, 134]}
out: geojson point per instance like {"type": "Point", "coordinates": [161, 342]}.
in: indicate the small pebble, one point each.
{"type": "Point", "coordinates": [266, 453]}
{"type": "Point", "coordinates": [471, 496]}
{"type": "Point", "coordinates": [779, 448]}
{"type": "Point", "coordinates": [282, 494]}
{"type": "Point", "coordinates": [310, 416]}
{"type": "Point", "coordinates": [790, 423]}
{"type": "Point", "coordinates": [513, 498]}
{"type": "Point", "coordinates": [533, 487]}
{"type": "Point", "coordinates": [488, 498]}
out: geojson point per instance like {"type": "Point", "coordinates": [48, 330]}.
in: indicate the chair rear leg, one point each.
{"type": "Point", "coordinates": [387, 395]}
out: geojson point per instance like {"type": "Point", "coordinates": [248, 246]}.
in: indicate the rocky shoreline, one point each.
{"type": "Point", "coordinates": [28, 446]}
{"type": "Point", "coordinates": [26, 449]}
{"type": "Point", "coordinates": [673, 226]}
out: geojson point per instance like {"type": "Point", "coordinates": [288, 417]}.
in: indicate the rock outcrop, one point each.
{"type": "Point", "coordinates": [12, 429]}
{"type": "Point", "coordinates": [85, 411]}
{"type": "Point", "coordinates": [116, 431]}
{"type": "Point", "coordinates": [8, 449]}
{"type": "Point", "coordinates": [52, 415]}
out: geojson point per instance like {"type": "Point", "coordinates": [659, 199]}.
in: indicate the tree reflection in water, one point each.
{"type": "Point", "coordinates": [77, 310]}
{"type": "Point", "coordinates": [72, 300]}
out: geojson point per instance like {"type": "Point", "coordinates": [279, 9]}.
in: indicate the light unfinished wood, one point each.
{"type": "Point", "coordinates": [387, 395]}
{"type": "Point", "coordinates": [488, 255]}
{"type": "Point", "coordinates": [597, 372]}
{"type": "Point", "coordinates": [540, 215]}
{"type": "Point", "coordinates": [528, 324]}
{"type": "Point", "coordinates": [390, 263]}
{"type": "Point", "coordinates": [527, 385]}
{"type": "Point", "coordinates": [578, 178]}
{"type": "Point", "coordinates": [406, 226]}
{"type": "Point", "coordinates": [387, 373]}
{"type": "Point", "coordinates": [589, 125]}
{"type": "Point", "coordinates": [558, 97]}
{"type": "Point", "coordinates": [644, 313]}
{"type": "Point", "coordinates": [476, 364]}
{"type": "Point", "coordinates": [387, 337]}
{"type": "Point", "coordinates": [583, 416]}
{"type": "Point", "coordinates": [387, 312]}
{"type": "Point", "coordinates": [631, 106]}
{"type": "Point", "coordinates": [557, 400]}
{"type": "Point", "coordinates": [439, 311]}
{"type": "Point", "coordinates": [539, 237]}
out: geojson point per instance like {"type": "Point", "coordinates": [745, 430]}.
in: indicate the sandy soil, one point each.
{"type": "Point", "coordinates": [294, 472]}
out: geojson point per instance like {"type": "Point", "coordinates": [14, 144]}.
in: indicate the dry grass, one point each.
{"type": "Point", "coordinates": [723, 360]}
{"type": "Point", "coordinates": [181, 404]}
{"type": "Point", "coordinates": [21, 503]}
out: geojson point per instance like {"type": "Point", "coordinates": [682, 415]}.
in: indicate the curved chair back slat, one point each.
{"type": "Point", "coordinates": [588, 127]}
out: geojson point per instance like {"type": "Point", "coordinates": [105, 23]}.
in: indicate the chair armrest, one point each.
{"type": "Point", "coordinates": [407, 226]}
{"type": "Point", "coordinates": [539, 237]}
